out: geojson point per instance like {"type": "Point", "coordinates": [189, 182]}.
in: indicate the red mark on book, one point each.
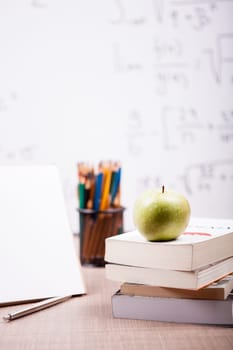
{"type": "Point", "coordinates": [198, 233]}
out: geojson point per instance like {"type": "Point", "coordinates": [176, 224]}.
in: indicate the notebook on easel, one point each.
{"type": "Point", "coordinates": [37, 255]}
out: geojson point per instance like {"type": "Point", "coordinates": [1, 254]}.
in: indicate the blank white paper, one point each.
{"type": "Point", "coordinates": [37, 255]}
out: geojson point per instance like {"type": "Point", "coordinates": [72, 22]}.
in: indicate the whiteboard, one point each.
{"type": "Point", "coordinates": [146, 82]}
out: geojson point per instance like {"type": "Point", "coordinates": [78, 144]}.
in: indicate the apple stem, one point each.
{"type": "Point", "coordinates": [163, 189]}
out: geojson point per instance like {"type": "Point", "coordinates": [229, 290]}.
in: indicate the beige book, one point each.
{"type": "Point", "coordinates": [218, 290]}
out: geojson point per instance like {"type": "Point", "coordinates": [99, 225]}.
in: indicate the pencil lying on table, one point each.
{"type": "Point", "coordinates": [36, 307]}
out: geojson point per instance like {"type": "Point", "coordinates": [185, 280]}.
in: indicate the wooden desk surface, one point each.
{"type": "Point", "coordinates": [86, 322]}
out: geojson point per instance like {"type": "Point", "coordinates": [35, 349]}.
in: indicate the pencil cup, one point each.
{"type": "Point", "coordinates": [95, 227]}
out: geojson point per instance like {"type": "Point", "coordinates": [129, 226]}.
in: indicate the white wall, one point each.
{"type": "Point", "coordinates": [148, 82]}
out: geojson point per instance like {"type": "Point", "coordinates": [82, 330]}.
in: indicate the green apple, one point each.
{"type": "Point", "coordinates": [161, 215]}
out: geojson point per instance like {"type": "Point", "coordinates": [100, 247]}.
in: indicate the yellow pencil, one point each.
{"type": "Point", "coordinates": [104, 204]}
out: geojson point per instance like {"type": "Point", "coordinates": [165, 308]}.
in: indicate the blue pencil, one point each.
{"type": "Point", "coordinates": [116, 184]}
{"type": "Point", "coordinates": [98, 189]}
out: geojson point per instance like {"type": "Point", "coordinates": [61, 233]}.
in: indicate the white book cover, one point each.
{"type": "Point", "coordinates": [37, 254]}
{"type": "Point", "coordinates": [192, 280]}
{"type": "Point", "coordinates": [204, 242]}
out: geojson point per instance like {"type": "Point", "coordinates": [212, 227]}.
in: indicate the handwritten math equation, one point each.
{"type": "Point", "coordinates": [184, 126]}
{"type": "Point", "coordinates": [196, 14]}
{"type": "Point", "coordinates": [176, 128]}
{"type": "Point", "coordinates": [25, 153]}
{"type": "Point", "coordinates": [7, 100]}
{"type": "Point", "coordinates": [174, 61]}
{"type": "Point", "coordinates": [187, 47]}
{"type": "Point", "coordinates": [202, 178]}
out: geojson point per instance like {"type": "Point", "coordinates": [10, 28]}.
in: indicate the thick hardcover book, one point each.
{"type": "Point", "coordinates": [217, 312]}
{"type": "Point", "coordinates": [205, 241]}
{"type": "Point", "coordinates": [218, 290]}
{"type": "Point", "coordinates": [170, 278]}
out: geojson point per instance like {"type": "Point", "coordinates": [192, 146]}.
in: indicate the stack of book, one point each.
{"type": "Point", "coordinates": [188, 280]}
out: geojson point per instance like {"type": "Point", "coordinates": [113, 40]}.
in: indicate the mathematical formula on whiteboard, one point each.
{"type": "Point", "coordinates": [149, 83]}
